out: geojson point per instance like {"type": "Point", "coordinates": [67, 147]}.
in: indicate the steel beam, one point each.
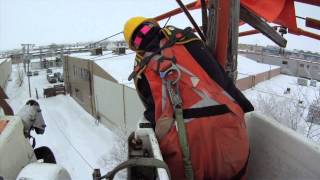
{"type": "Point", "coordinates": [262, 26]}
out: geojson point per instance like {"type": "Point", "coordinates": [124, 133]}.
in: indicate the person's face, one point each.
{"type": "Point", "coordinates": [142, 35]}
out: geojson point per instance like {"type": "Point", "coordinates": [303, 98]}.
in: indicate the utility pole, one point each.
{"type": "Point", "coordinates": [40, 56]}
{"type": "Point", "coordinates": [222, 33]}
{"type": "Point", "coordinates": [27, 47]}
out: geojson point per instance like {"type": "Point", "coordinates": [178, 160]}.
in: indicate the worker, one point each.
{"type": "Point", "coordinates": [176, 78]}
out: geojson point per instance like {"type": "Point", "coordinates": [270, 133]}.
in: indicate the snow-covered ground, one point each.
{"type": "Point", "coordinates": [289, 108]}
{"type": "Point", "coordinates": [78, 142]}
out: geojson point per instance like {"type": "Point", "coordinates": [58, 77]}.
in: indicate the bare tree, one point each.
{"type": "Point", "coordinates": [118, 154]}
{"type": "Point", "coordinates": [292, 110]}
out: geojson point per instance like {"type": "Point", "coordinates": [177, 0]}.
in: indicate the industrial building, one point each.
{"type": "Point", "coordinates": [290, 66]}
{"type": "Point", "coordinates": [98, 84]}
{"type": "Point", "coordinates": [5, 71]}
{"type": "Point", "coordinates": [46, 63]}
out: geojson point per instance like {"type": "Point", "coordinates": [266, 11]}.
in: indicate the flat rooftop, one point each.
{"type": "Point", "coordinates": [248, 67]}
{"type": "Point", "coordinates": [2, 60]}
{"type": "Point", "coordinates": [121, 66]}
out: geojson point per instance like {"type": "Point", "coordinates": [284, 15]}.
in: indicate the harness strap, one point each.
{"type": "Point", "coordinates": [171, 41]}
{"type": "Point", "coordinates": [205, 111]}
{"type": "Point", "coordinates": [176, 101]}
{"type": "Point", "coordinates": [182, 134]}
{"type": "Point", "coordinates": [145, 162]}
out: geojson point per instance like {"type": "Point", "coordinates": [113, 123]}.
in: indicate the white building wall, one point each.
{"type": "Point", "coordinates": [5, 71]}
{"type": "Point", "coordinates": [117, 105]}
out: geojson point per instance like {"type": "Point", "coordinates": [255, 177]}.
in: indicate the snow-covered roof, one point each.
{"type": "Point", "coordinates": [88, 56]}
{"type": "Point", "coordinates": [121, 66]}
{"type": "Point", "coordinates": [248, 67]}
{"type": "Point", "coordinates": [118, 66]}
{"type": "Point", "coordinates": [3, 60]}
{"type": "Point", "coordinates": [278, 85]}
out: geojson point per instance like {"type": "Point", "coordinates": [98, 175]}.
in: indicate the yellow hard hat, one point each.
{"type": "Point", "coordinates": [131, 25]}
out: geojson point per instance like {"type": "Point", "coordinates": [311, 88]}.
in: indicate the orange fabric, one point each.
{"type": "Point", "coordinates": [267, 9]}
{"type": "Point", "coordinates": [287, 17]}
{"type": "Point", "coordinates": [3, 125]}
{"type": "Point", "coordinates": [278, 11]}
{"type": "Point", "coordinates": [218, 144]}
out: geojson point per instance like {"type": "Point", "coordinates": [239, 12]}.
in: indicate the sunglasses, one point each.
{"type": "Point", "coordinates": [142, 32]}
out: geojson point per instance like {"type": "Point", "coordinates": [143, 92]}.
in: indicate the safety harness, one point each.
{"type": "Point", "coordinates": [167, 64]}
{"type": "Point", "coordinates": [171, 77]}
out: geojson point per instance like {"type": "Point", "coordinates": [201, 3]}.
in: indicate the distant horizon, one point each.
{"type": "Point", "coordinates": [263, 45]}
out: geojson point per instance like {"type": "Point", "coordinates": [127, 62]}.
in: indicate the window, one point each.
{"type": "Point", "coordinates": [284, 62]}
{"type": "Point", "coordinates": [301, 65]}
{"type": "Point", "coordinates": [74, 70]}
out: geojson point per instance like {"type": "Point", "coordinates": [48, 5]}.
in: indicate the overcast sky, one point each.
{"type": "Point", "coordinates": [43, 22]}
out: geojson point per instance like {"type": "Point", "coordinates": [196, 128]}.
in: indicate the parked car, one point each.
{"type": "Point", "coordinates": [29, 73]}
{"type": "Point", "coordinates": [51, 78]}
{"type": "Point", "coordinates": [61, 78]}
{"type": "Point", "coordinates": [49, 71]}
{"type": "Point", "coordinates": [35, 73]}
{"type": "Point", "coordinates": [57, 74]}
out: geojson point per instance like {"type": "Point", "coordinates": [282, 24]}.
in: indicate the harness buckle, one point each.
{"type": "Point", "coordinates": [172, 84]}
{"type": "Point", "coordinates": [174, 95]}
{"type": "Point", "coordinates": [169, 71]}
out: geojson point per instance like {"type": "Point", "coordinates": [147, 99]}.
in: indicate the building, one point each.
{"type": "Point", "coordinates": [250, 72]}
{"type": "Point", "coordinates": [5, 72]}
{"type": "Point", "coordinates": [16, 58]}
{"type": "Point", "coordinates": [99, 84]}
{"type": "Point", "coordinates": [45, 63]}
{"type": "Point", "coordinates": [276, 50]}
{"type": "Point", "coordinates": [290, 66]}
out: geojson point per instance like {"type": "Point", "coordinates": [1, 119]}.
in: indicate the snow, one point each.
{"type": "Point", "coordinates": [88, 56]}
{"type": "Point", "coordinates": [77, 140]}
{"type": "Point", "coordinates": [121, 66]}
{"type": "Point", "coordinates": [118, 66]}
{"type": "Point", "coordinates": [278, 85]}
{"type": "Point", "coordinates": [290, 109]}
{"type": "Point", "coordinates": [3, 60]}
{"type": "Point", "coordinates": [247, 67]}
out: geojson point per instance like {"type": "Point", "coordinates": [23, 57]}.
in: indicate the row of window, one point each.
{"type": "Point", "coordinates": [80, 73]}
{"type": "Point", "coordinates": [302, 65]}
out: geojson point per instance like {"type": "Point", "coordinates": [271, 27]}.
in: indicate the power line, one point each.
{"type": "Point", "coordinates": [100, 56]}
{"type": "Point", "coordinates": [107, 38]}
{"type": "Point", "coordinates": [115, 56]}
